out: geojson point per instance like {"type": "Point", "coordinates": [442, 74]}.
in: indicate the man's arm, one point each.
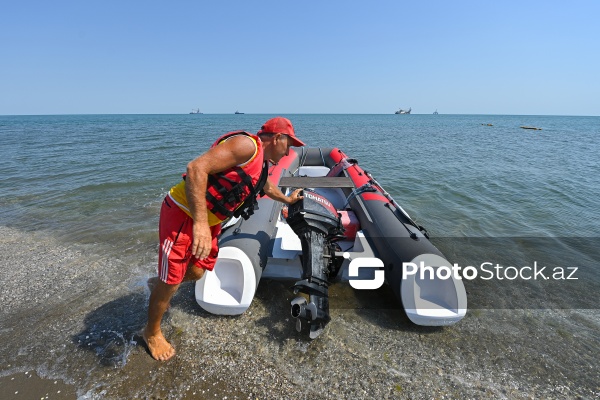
{"type": "Point", "coordinates": [273, 192]}
{"type": "Point", "coordinates": [232, 152]}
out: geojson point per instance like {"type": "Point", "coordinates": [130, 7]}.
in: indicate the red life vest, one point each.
{"type": "Point", "coordinates": [233, 192]}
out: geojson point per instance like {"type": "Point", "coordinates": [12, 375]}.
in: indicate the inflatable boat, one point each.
{"type": "Point", "coordinates": [346, 228]}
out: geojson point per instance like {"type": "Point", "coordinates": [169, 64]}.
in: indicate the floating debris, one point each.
{"type": "Point", "coordinates": [532, 128]}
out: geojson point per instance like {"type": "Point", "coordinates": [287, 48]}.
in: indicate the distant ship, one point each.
{"type": "Point", "coordinates": [196, 111]}
{"type": "Point", "coordinates": [401, 111]}
{"type": "Point", "coordinates": [237, 112]}
{"type": "Point", "coordinates": [435, 112]}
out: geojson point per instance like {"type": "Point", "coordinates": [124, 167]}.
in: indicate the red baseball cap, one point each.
{"type": "Point", "coordinates": [281, 125]}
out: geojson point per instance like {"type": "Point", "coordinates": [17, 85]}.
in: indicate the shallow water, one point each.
{"type": "Point", "coordinates": [79, 202]}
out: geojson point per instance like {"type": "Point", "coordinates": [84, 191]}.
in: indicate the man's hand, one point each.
{"type": "Point", "coordinates": [295, 196]}
{"type": "Point", "coordinates": [202, 240]}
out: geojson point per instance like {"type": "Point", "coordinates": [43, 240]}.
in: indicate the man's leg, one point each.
{"type": "Point", "coordinates": [160, 297]}
{"type": "Point", "coordinates": [161, 293]}
{"type": "Point", "coordinates": [193, 273]}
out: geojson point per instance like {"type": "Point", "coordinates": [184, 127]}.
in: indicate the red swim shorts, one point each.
{"type": "Point", "coordinates": [175, 253]}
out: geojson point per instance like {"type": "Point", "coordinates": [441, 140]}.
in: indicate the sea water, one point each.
{"type": "Point", "coordinates": [487, 191]}
{"type": "Point", "coordinates": [100, 177]}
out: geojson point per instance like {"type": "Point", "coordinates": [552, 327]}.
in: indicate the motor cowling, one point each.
{"type": "Point", "coordinates": [313, 212]}
{"type": "Point", "coordinates": [316, 222]}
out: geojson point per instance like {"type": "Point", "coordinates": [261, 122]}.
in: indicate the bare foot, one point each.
{"type": "Point", "coordinates": [160, 349]}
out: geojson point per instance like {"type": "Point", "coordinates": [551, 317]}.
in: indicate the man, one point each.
{"type": "Point", "coordinates": [221, 183]}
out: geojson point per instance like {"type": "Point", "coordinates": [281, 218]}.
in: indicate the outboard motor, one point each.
{"type": "Point", "coordinates": [316, 222]}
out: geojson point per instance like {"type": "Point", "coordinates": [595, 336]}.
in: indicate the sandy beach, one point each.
{"type": "Point", "coordinates": [70, 330]}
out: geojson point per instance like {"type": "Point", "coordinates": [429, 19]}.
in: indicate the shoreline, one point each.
{"type": "Point", "coordinates": [72, 316]}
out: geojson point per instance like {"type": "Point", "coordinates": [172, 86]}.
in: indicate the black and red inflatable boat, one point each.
{"type": "Point", "coordinates": [348, 228]}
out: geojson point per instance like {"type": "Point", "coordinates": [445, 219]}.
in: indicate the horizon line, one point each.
{"type": "Point", "coordinates": [294, 113]}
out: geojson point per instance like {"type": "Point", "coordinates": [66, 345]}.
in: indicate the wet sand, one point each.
{"type": "Point", "coordinates": [28, 385]}
{"type": "Point", "coordinates": [71, 315]}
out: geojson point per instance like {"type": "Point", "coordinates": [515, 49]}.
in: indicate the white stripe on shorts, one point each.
{"type": "Point", "coordinates": [166, 251]}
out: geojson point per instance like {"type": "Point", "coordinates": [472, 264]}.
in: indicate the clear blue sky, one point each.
{"type": "Point", "coordinates": [467, 57]}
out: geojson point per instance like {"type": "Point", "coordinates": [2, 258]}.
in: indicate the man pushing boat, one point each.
{"type": "Point", "coordinates": [221, 183]}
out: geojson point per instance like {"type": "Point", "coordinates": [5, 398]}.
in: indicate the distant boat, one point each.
{"type": "Point", "coordinates": [237, 112]}
{"type": "Point", "coordinates": [435, 112]}
{"type": "Point", "coordinates": [197, 111]}
{"type": "Point", "coordinates": [401, 111]}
